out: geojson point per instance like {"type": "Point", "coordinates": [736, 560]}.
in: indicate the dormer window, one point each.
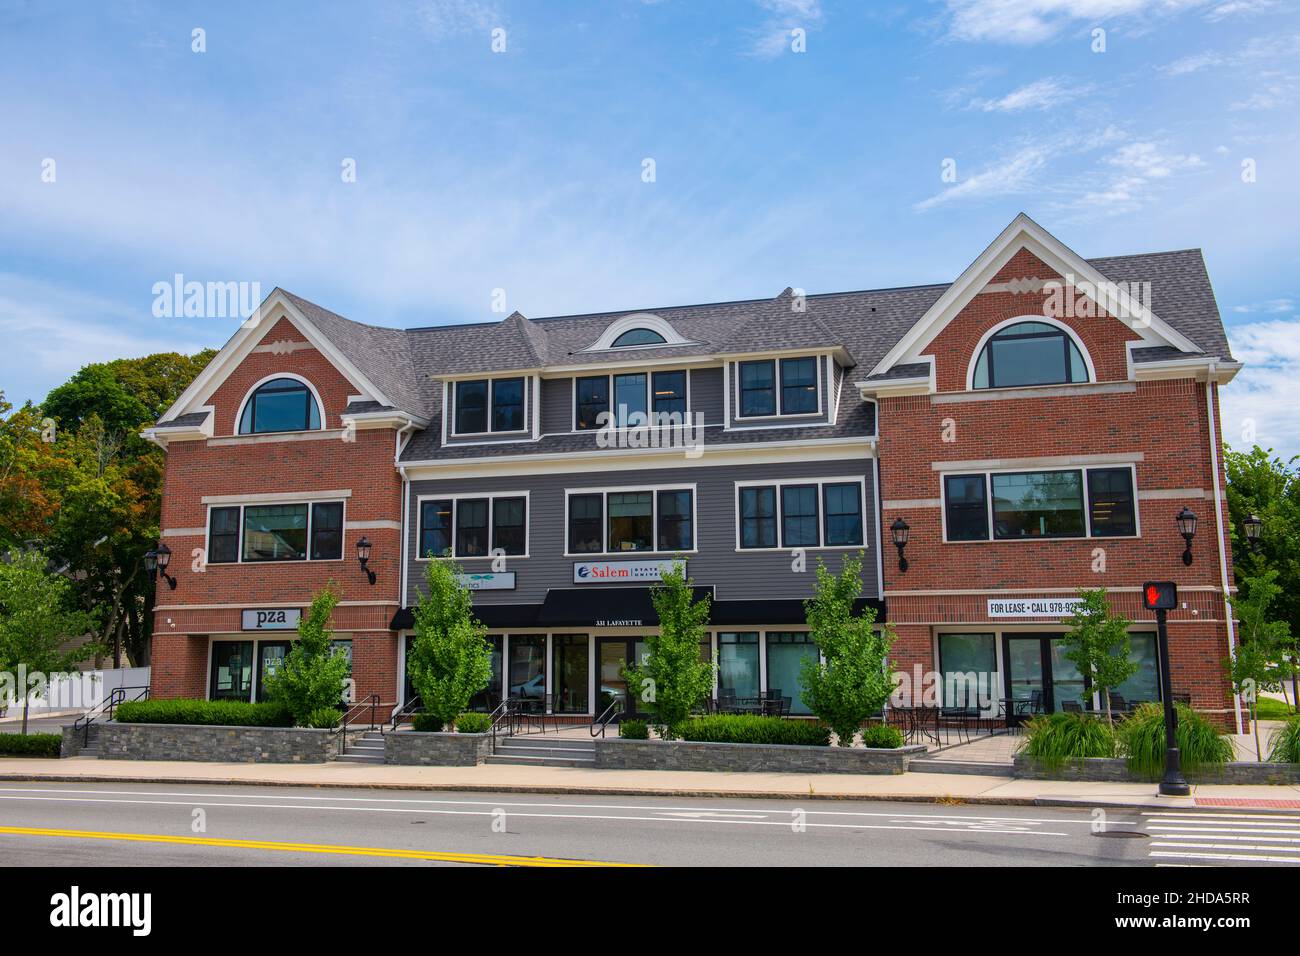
{"type": "Point", "coordinates": [772, 387]}
{"type": "Point", "coordinates": [1029, 353]}
{"type": "Point", "coordinates": [280, 405]}
{"type": "Point", "coordinates": [489, 405]}
{"type": "Point", "coordinates": [638, 337]}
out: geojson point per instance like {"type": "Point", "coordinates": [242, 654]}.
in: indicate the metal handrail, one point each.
{"type": "Point", "coordinates": [505, 712]}
{"type": "Point", "coordinates": [107, 708]}
{"type": "Point", "coordinates": [607, 715]}
{"type": "Point", "coordinates": [404, 711]}
{"type": "Point", "coordinates": [342, 729]}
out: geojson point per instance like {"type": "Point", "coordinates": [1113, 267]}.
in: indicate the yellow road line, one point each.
{"type": "Point", "coordinates": [489, 859]}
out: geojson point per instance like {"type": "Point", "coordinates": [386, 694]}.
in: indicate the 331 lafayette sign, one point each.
{"type": "Point", "coordinates": [1033, 607]}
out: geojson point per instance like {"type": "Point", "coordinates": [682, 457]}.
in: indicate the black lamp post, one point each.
{"type": "Point", "coordinates": [155, 564]}
{"type": "Point", "coordinates": [899, 531]}
{"type": "Point", "coordinates": [1187, 528]}
{"type": "Point", "coordinates": [1253, 528]}
{"type": "Point", "coordinates": [363, 558]}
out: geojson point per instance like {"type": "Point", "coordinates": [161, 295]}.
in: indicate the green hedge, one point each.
{"type": "Point", "coordinates": [1201, 745]}
{"type": "Point", "coordinates": [224, 713]}
{"type": "Point", "coordinates": [1055, 739]}
{"type": "Point", "coordinates": [30, 745]}
{"type": "Point", "coordinates": [752, 729]}
{"type": "Point", "coordinates": [634, 729]}
{"type": "Point", "coordinates": [426, 723]}
{"type": "Point", "coordinates": [473, 723]}
{"type": "Point", "coordinates": [882, 737]}
{"type": "Point", "coordinates": [324, 718]}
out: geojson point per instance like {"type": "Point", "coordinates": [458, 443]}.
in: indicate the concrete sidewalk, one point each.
{"type": "Point", "coordinates": [914, 787]}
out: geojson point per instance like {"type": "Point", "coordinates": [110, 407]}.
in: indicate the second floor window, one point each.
{"type": "Point", "coordinates": [786, 387]}
{"type": "Point", "coordinates": [632, 520]}
{"type": "Point", "coordinates": [473, 527]}
{"type": "Point", "coordinates": [276, 532]}
{"type": "Point", "coordinates": [815, 514]}
{"type": "Point", "coordinates": [639, 398]}
{"type": "Point", "coordinates": [1040, 504]}
{"type": "Point", "coordinates": [495, 405]}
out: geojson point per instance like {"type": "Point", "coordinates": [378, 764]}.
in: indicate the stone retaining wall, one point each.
{"type": "Point", "coordinates": [220, 744]}
{"type": "Point", "coordinates": [436, 750]}
{"type": "Point", "coordinates": [1114, 770]}
{"type": "Point", "coordinates": [619, 754]}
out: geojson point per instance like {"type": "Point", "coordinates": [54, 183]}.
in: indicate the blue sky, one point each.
{"type": "Point", "coordinates": [523, 170]}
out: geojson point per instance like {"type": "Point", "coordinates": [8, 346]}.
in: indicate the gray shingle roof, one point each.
{"type": "Point", "coordinates": [189, 420]}
{"type": "Point", "coordinates": [404, 363]}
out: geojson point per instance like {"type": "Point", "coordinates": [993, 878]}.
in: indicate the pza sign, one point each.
{"type": "Point", "coordinates": [271, 619]}
{"type": "Point", "coordinates": [1159, 596]}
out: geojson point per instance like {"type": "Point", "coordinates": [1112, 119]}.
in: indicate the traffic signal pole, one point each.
{"type": "Point", "coordinates": [1173, 784]}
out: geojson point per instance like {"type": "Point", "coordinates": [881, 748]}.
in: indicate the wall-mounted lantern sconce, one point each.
{"type": "Point", "coordinates": [1187, 528]}
{"type": "Point", "coordinates": [363, 558]}
{"type": "Point", "coordinates": [1253, 528]}
{"type": "Point", "coordinates": [899, 531]}
{"type": "Point", "coordinates": [155, 564]}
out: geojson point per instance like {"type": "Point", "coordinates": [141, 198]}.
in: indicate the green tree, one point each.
{"type": "Point", "coordinates": [851, 681]}
{"type": "Point", "coordinates": [672, 679]}
{"type": "Point", "coordinates": [1258, 663]}
{"type": "Point", "coordinates": [37, 617]}
{"type": "Point", "coordinates": [1262, 484]}
{"type": "Point", "coordinates": [314, 672]}
{"type": "Point", "coordinates": [450, 659]}
{"type": "Point", "coordinates": [1097, 643]}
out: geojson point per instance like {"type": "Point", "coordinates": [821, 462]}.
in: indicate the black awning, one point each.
{"type": "Point", "coordinates": [601, 607]}
{"type": "Point", "coordinates": [777, 612]}
{"type": "Point", "coordinates": [490, 615]}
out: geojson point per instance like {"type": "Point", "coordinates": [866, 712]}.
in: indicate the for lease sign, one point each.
{"type": "Point", "coordinates": [1033, 607]}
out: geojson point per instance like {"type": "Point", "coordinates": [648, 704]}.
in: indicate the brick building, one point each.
{"type": "Point", "coordinates": [1036, 424]}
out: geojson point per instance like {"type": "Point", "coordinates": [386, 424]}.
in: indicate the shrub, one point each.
{"type": "Point", "coordinates": [325, 718]}
{"type": "Point", "coordinates": [882, 736]}
{"type": "Point", "coordinates": [634, 729]}
{"type": "Point", "coordinates": [752, 729]}
{"type": "Point", "coordinates": [30, 745]}
{"type": "Point", "coordinates": [1285, 743]}
{"type": "Point", "coordinates": [1054, 739]}
{"type": "Point", "coordinates": [1142, 741]}
{"type": "Point", "coordinates": [472, 723]}
{"type": "Point", "coordinates": [427, 723]}
{"type": "Point", "coordinates": [314, 672]}
{"type": "Point", "coordinates": [225, 713]}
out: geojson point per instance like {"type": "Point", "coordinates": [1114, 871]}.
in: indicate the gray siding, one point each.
{"type": "Point", "coordinates": [557, 405]}
{"type": "Point", "coordinates": [734, 575]}
{"type": "Point", "coordinates": [706, 394]}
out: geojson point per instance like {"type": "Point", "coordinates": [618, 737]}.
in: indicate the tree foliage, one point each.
{"type": "Point", "coordinates": [1257, 663]}
{"type": "Point", "coordinates": [313, 675]}
{"type": "Point", "coordinates": [672, 679]}
{"type": "Point", "coordinates": [851, 681]}
{"type": "Point", "coordinates": [1097, 643]}
{"type": "Point", "coordinates": [450, 659]}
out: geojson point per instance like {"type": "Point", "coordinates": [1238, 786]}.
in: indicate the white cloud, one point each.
{"type": "Point", "coordinates": [772, 38]}
{"type": "Point", "coordinates": [1269, 94]}
{"type": "Point", "coordinates": [1008, 177]}
{"type": "Point", "coordinates": [1033, 21]}
{"type": "Point", "coordinates": [1271, 306]}
{"type": "Point", "coordinates": [1233, 8]}
{"type": "Point", "coordinates": [1263, 398]}
{"type": "Point", "coordinates": [443, 18]}
{"type": "Point", "coordinates": [1042, 94]}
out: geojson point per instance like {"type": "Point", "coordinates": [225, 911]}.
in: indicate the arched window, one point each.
{"type": "Point", "coordinates": [638, 337]}
{"type": "Point", "coordinates": [280, 405]}
{"type": "Point", "coordinates": [1029, 353]}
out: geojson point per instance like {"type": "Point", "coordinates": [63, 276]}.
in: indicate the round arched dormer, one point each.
{"type": "Point", "coordinates": [1027, 351]}
{"type": "Point", "coordinates": [281, 403]}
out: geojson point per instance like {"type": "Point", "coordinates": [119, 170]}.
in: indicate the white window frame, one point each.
{"type": "Point", "coordinates": [490, 379]}
{"type": "Point", "coordinates": [491, 526]}
{"type": "Point", "coordinates": [248, 397]}
{"type": "Point", "coordinates": [239, 544]}
{"type": "Point", "coordinates": [609, 377]}
{"type": "Point", "coordinates": [859, 480]}
{"type": "Point", "coordinates": [988, 474]}
{"type": "Point", "coordinates": [604, 493]}
{"type": "Point", "coordinates": [819, 362]}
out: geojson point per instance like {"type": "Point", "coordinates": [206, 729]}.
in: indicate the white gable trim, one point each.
{"type": "Point", "coordinates": [638, 320]}
{"type": "Point", "coordinates": [1024, 233]}
{"type": "Point", "coordinates": [246, 340]}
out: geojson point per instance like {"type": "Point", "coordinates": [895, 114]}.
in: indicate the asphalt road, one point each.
{"type": "Point", "coordinates": [81, 824]}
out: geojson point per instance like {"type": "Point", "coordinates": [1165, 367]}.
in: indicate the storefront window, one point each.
{"type": "Point", "coordinates": [569, 669]}
{"type": "Point", "coordinates": [488, 698]}
{"type": "Point", "coordinates": [1145, 684]}
{"type": "Point", "coordinates": [786, 653]}
{"type": "Point", "coordinates": [968, 664]}
{"type": "Point", "coordinates": [738, 663]}
{"type": "Point", "coordinates": [528, 666]}
{"type": "Point", "coordinates": [232, 670]}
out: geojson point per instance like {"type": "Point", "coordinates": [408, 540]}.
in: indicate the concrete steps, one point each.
{"type": "Point", "coordinates": [545, 752]}
{"type": "Point", "coordinates": [931, 765]}
{"type": "Point", "coordinates": [368, 748]}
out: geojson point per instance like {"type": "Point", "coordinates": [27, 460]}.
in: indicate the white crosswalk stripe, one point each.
{"type": "Point", "coordinates": [1223, 838]}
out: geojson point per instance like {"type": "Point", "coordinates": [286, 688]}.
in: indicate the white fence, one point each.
{"type": "Point", "coordinates": [82, 690]}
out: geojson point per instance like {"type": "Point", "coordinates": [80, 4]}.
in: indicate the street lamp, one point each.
{"type": "Point", "coordinates": [899, 531]}
{"type": "Point", "coordinates": [155, 564]}
{"type": "Point", "coordinates": [1187, 528]}
{"type": "Point", "coordinates": [363, 558]}
{"type": "Point", "coordinates": [1253, 528]}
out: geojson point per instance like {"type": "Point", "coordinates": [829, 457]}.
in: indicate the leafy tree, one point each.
{"type": "Point", "coordinates": [1257, 662]}
{"type": "Point", "coordinates": [672, 679]}
{"type": "Point", "coordinates": [1262, 484]}
{"type": "Point", "coordinates": [851, 680]}
{"type": "Point", "coordinates": [314, 672]}
{"type": "Point", "coordinates": [37, 617]}
{"type": "Point", "coordinates": [1097, 643]}
{"type": "Point", "coordinates": [450, 659]}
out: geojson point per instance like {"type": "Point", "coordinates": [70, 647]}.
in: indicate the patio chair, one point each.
{"type": "Point", "coordinates": [1117, 704]}
{"type": "Point", "coordinates": [787, 703]}
{"type": "Point", "coordinates": [1072, 706]}
{"type": "Point", "coordinates": [727, 702]}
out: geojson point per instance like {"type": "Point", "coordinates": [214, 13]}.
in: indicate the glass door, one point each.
{"type": "Point", "coordinates": [1025, 670]}
{"type": "Point", "coordinates": [270, 656]}
{"type": "Point", "coordinates": [232, 670]}
{"type": "Point", "coordinates": [1067, 681]}
{"type": "Point", "coordinates": [612, 655]}
{"type": "Point", "coordinates": [569, 670]}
